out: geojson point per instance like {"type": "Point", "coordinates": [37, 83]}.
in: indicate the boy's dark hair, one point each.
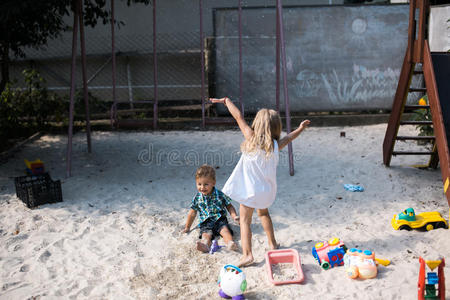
{"type": "Point", "coordinates": [205, 171]}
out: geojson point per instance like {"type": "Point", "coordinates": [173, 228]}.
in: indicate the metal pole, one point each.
{"type": "Point", "coordinates": [113, 55]}
{"type": "Point", "coordinates": [277, 63]}
{"type": "Point", "coordinates": [285, 88]}
{"type": "Point", "coordinates": [130, 88]}
{"type": "Point", "coordinates": [202, 64]}
{"type": "Point", "coordinates": [83, 70]}
{"type": "Point", "coordinates": [241, 105]}
{"type": "Point", "coordinates": [72, 91]}
{"type": "Point", "coordinates": [155, 71]}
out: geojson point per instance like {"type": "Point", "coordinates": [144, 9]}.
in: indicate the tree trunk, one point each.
{"type": "Point", "coordinates": [5, 67]}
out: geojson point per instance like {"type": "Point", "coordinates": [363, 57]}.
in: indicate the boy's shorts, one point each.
{"type": "Point", "coordinates": [214, 227]}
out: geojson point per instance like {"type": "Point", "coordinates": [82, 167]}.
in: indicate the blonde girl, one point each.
{"type": "Point", "coordinates": [253, 181]}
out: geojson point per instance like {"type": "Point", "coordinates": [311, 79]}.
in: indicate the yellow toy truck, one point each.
{"type": "Point", "coordinates": [408, 220]}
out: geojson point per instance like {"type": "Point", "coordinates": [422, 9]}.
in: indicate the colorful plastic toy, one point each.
{"type": "Point", "coordinates": [427, 285]}
{"type": "Point", "coordinates": [35, 167]}
{"type": "Point", "coordinates": [281, 256]}
{"type": "Point", "coordinates": [232, 283]}
{"type": "Point", "coordinates": [214, 247]}
{"type": "Point", "coordinates": [360, 264]}
{"type": "Point", "coordinates": [353, 188]}
{"type": "Point", "coordinates": [408, 220]}
{"type": "Point", "coordinates": [329, 254]}
{"type": "Point", "coordinates": [383, 262]}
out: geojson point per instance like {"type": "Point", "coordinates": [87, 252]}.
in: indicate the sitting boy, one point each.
{"type": "Point", "coordinates": [212, 206]}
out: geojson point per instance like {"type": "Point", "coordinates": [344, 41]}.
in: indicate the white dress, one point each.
{"type": "Point", "coordinates": [254, 179]}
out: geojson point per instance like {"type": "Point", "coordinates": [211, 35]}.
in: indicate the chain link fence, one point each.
{"type": "Point", "coordinates": [179, 60]}
{"type": "Point", "coordinates": [178, 65]}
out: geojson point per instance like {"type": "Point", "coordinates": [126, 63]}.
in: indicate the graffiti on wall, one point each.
{"type": "Point", "coordinates": [337, 57]}
{"type": "Point", "coordinates": [365, 84]}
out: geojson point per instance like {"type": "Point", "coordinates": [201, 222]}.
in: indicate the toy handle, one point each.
{"type": "Point", "coordinates": [232, 266]}
{"type": "Point", "coordinates": [384, 262]}
{"type": "Point", "coordinates": [278, 253]}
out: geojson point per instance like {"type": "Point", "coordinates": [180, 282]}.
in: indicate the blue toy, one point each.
{"type": "Point", "coordinates": [214, 247]}
{"type": "Point", "coordinates": [353, 188]}
{"type": "Point", "coordinates": [432, 278]}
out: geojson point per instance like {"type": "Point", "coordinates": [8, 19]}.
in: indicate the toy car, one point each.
{"type": "Point", "coordinates": [408, 220]}
{"type": "Point", "coordinates": [329, 254]}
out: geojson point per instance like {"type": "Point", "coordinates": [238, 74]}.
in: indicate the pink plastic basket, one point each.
{"type": "Point", "coordinates": [291, 256]}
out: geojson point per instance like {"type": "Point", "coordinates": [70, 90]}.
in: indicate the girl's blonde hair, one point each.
{"type": "Point", "coordinates": [266, 128]}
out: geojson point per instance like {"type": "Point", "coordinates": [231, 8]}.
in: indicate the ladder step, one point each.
{"type": "Point", "coordinates": [412, 90]}
{"type": "Point", "coordinates": [415, 107]}
{"type": "Point", "coordinates": [415, 138]}
{"type": "Point", "coordinates": [412, 153]}
{"type": "Point", "coordinates": [416, 72]}
{"type": "Point", "coordinates": [416, 123]}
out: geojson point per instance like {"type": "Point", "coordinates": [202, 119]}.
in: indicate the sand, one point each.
{"type": "Point", "coordinates": [117, 233]}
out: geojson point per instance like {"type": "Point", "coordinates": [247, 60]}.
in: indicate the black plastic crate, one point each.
{"type": "Point", "coordinates": [38, 189]}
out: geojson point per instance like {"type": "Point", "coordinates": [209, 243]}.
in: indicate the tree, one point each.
{"type": "Point", "coordinates": [27, 23]}
{"type": "Point", "coordinates": [31, 23]}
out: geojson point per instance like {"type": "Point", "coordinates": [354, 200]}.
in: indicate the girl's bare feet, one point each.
{"type": "Point", "coordinates": [232, 246]}
{"type": "Point", "coordinates": [274, 246]}
{"type": "Point", "coordinates": [202, 247]}
{"type": "Point", "coordinates": [245, 261]}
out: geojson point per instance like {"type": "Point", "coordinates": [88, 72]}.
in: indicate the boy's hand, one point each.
{"type": "Point", "coordinates": [304, 124]}
{"type": "Point", "coordinates": [185, 230]}
{"type": "Point", "coordinates": [236, 219]}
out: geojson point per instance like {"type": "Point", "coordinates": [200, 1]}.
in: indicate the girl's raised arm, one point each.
{"type": "Point", "coordinates": [237, 115]}
{"type": "Point", "coordinates": [293, 135]}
